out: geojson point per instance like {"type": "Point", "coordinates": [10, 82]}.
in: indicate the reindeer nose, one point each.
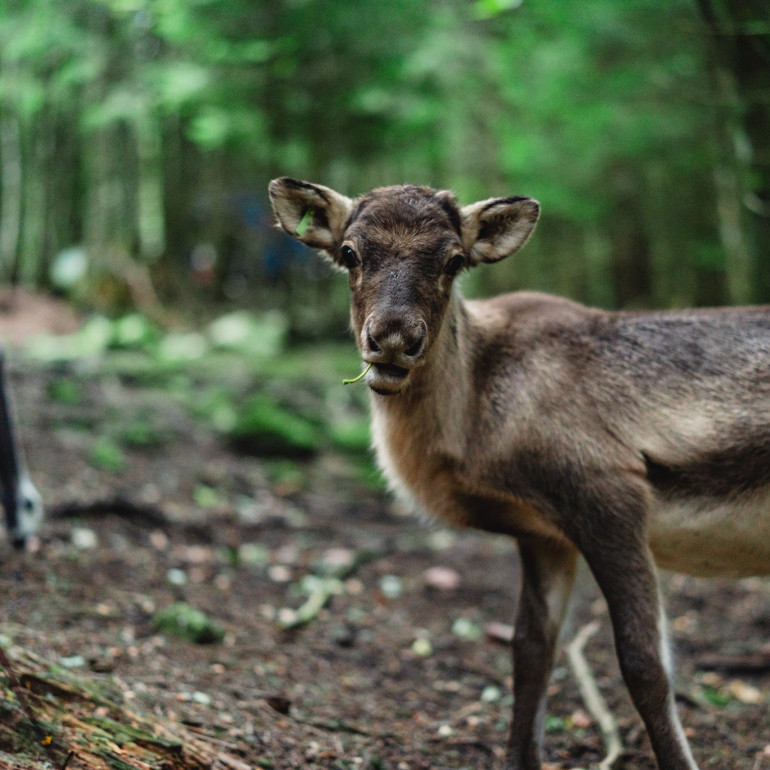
{"type": "Point", "coordinates": [391, 338]}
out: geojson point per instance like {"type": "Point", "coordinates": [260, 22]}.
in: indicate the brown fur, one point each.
{"type": "Point", "coordinates": [624, 437]}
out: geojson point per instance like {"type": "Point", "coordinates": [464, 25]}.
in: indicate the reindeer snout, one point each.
{"type": "Point", "coordinates": [394, 338]}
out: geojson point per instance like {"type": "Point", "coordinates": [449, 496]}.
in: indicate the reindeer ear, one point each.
{"type": "Point", "coordinates": [310, 213]}
{"type": "Point", "coordinates": [495, 228]}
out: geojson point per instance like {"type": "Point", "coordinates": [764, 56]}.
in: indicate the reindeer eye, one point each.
{"type": "Point", "coordinates": [454, 265]}
{"type": "Point", "coordinates": [348, 256]}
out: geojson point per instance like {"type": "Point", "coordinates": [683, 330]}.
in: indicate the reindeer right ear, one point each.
{"type": "Point", "coordinates": [310, 213]}
{"type": "Point", "coordinates": [495, 228]}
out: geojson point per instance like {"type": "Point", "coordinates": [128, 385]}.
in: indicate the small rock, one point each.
{"type": "Point", "coordinates": [422, 647]}
{"type": "Point", "coordinates": [499, 632]}
{"type": "Point", "coordinates": [391, 586]}
{"type": "Point", "coordinates": [177, 577]}
{"type": "Point", "coordinates": [279, 573]}
{"type": "Point", "coordinates": [466, 629]}
{"type": "Point", "coordinates": [442, 578]}
{"type": "Point", "coordinates": [83, 538]}
{"type": "Point", "coordinates": [581, 719]}
{"type": "Point", "coordinates": [491, 694]}
{"type": "Point", "coordinates": [745, 693]}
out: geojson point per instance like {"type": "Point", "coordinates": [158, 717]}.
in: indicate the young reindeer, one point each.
{"type": "Point", "coordinates": [628, 438]}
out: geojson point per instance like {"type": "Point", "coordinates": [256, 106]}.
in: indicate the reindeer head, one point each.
{"type": "Point", "coordinates": [402, 247]}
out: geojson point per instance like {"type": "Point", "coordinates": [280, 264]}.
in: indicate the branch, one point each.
{"type": "Point", "coordinates": [118, 505]}
{"type": "Point", "coordinates": [593, 699]}
{"type": "Point", "coordinates": [18, 690]}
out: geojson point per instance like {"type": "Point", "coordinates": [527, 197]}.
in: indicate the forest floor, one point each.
{"type": "Point", "coordinates": [401, 661]}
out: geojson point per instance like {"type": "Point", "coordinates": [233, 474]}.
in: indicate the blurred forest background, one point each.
{"type": "Point", "coordinates": [137, 138]}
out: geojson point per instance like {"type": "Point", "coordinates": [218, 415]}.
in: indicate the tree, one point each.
{"type": "Point", "coordinates": [740, 43]}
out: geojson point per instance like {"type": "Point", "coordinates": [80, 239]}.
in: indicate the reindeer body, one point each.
{"type": "Point", "coordinates": [628, 438]}
{"type": "Point", "coordinates": [538, 381]}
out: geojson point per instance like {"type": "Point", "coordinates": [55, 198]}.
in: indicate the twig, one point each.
{"type": "Point", "coordinates": [18, 690]}
{"type": "Point", "coordinates": [118, 505]}
{"type": "Point", "coordinates": [761, 757]}
{"type": "Point", "coordinates": [322, 589]}
{"type": "Point", "coordinates": [593, 699]}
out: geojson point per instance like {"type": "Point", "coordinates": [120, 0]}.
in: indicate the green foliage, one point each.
{"type": "Point", "coordinates": [266, 427]}
{"type": "Point", "coordinates": [186, 622]}
{"type": "Point", "coordinates": [65, 391]}
{"type": "Point", "coordinates": [263, 336]}
{"type": "Point", "coordinates": [144, 431]}
{"type": "Point", "coordinates": [604, 111]}
{"type": "Point", "coordinates": [715, 696]}
{"type": "Point", "coordinates": [107, 455]}
{"type": "Point", "coordinates": [351, 434]}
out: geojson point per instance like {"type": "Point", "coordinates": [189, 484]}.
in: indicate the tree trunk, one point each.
{"type": "Point", "coordinates": [740, 33]}
{"type": "Point", "coordinates": [10, 194]}
{"type": "Point", "coordinates": [150, 212]}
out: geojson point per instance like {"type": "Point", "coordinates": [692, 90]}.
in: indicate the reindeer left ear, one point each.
{"type": "Point", "coordinates": [311, 213]}
{"type": "Point", "coordinates": [495, 228]}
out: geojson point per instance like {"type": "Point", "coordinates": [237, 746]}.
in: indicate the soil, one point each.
{"type": "Point", "coordinates": [403, 667]}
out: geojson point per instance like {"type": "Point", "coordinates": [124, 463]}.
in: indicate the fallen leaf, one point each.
{"type": "Point", "coordinates": [422, 647]}
{"type": "Point", "coordinates": [581, 719]}
{"type": "Point", "coordinates": [745, 693]}
{"type": "Point", "coordinates": [442, 578]}
{"type": "Point", "coordinates": [499, 632]}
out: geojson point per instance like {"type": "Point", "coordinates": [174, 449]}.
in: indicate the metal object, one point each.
{"type": "Point", "coordinates": [22, 502]}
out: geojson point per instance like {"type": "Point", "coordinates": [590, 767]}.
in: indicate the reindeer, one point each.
{"type": "Point", "coordinates": [630, 438]}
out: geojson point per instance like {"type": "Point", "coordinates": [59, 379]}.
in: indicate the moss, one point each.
{"type": "Point", "coordinates": [265, 427]}
{"type": "Point", "coordinates": [186, 622]}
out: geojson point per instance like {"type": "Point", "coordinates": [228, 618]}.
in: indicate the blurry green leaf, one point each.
{"type": "Point", "coordinates": [65, 391]}
{"type": "Point", "coordinates": [263, 335]}
{"type": "Point", "coordinates": [182, 620]}
{"type": "Point", "coordinates": [554, 724]}
{"type": "Point", "coordinates": [264, 427]}
{"type": "Point", "coordinates": [179, 347]}
{"type": "Point", "coordinates": [351, 434]}
{"type": "Point", "coordinates": [286, 473]}
{"type": "Point", "coordinates": [143, 432]}
{"type": "Point", "coordinates": [107, 455]}
{"type": "Point", "coordinates": [206, 496]}
{"type": "Point", "coordinates": [715, 696]}
{"type": "Point", "coordinates": [134, 331]}
{"type": "Point", "coordinates": [486, 9]}
{"type": "Point", "coordinates": [253, 554]}
{"type": "Point", "coordinates": [94, 336]}
{"type": "Point", "coordinates": [467, 630]}
{"type": "Point", "coordinates": [181, 83]}
{"type": "Point", "coordinates": [210, 128]}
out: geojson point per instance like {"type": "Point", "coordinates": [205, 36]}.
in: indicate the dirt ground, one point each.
{"type": "Point", "coordinates": [402, 668]}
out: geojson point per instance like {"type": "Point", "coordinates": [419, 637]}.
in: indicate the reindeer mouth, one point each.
{"type": "Point", "coordinates": [391, 371]}
{"type": "Point", "coordinates": [387, 379]}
